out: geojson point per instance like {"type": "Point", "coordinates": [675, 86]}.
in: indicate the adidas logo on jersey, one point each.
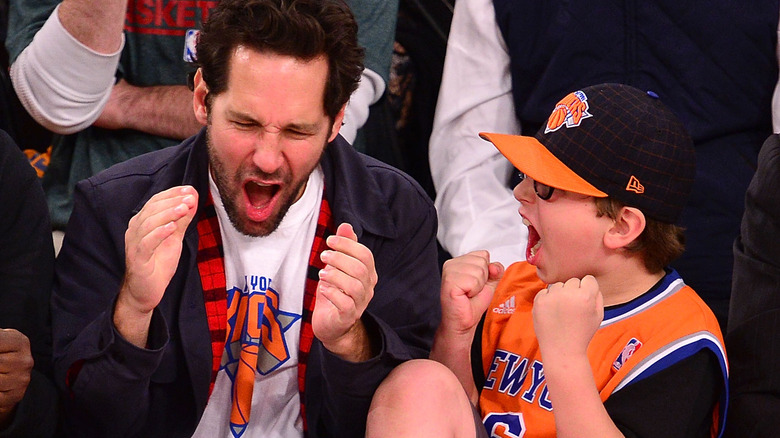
{"type": "Point", "coordinates": [507, 308]}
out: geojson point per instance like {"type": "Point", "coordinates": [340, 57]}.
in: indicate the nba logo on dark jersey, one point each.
{"type": "Point", "coordinates": [190, 45]}
{"type": "Point", "coordinates": [633, 345]}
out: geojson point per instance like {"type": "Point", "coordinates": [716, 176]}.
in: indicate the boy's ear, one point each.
{"type": "Point", "coordinates": [628, 225]}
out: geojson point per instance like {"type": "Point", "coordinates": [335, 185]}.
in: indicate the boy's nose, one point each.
{"type": "Point", "coordinates": [524, 191]}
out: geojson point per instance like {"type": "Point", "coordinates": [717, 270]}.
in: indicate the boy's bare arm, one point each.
{"type": "Point", "coordinates": [467, 286]}
{"type": "Point", "coordinates": [566, 316]}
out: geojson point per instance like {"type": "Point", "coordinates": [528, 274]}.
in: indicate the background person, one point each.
{"type": "Point", "coordinates": [753, 322]}
{"type": "Point", "coordinates": [28, 398]}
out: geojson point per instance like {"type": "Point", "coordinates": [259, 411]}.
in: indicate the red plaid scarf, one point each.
{"type": "Point", "coordinates": [212, 275]}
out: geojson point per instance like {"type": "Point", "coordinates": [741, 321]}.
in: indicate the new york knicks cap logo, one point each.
{"type": "Point", "coordinates": [570, 111]}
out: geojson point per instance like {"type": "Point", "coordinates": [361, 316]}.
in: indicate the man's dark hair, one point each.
{"type": "Point", "coordinates": [303, 29]}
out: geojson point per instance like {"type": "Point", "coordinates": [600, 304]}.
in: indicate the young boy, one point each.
{"type": "Point", "coordinates": [591, 336]}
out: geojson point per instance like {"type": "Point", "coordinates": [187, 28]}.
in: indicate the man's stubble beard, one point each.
{"type": "Point", "coordinates": [229, 196]}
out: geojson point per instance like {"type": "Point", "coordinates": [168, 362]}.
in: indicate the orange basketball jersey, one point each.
{"type": "Point", "coordinates": [635, 340]}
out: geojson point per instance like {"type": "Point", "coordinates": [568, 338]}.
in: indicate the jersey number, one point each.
{"type": "Point", "coordinates": [505, 425]}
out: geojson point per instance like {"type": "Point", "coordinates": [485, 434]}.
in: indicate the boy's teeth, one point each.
{"type": "Point", "coordinates": [526, 222]}
{"type": "Point", "coordinates": [535, 248]}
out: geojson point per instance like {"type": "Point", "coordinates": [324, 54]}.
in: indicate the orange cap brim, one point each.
{"type": "Point", "coordinates": [529, 156]}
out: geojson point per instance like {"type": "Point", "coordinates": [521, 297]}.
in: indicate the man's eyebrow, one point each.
{"type": "Point", "coordinates": [239, 115]}
{"type": "Point", "coordinates": [295, 126]}
{"type": "Point", "coordinates": [303, 127]}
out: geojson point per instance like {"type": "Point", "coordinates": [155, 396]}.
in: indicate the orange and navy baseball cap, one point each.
{"type": "Point", "coordinates": [610, 140]}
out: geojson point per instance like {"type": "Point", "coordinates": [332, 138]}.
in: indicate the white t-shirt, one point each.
{"type": "Point", "coordinates": [265, 279]}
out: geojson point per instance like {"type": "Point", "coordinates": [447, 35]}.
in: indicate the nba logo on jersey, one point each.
{"type": "Point", "coordinates": [633, 345]}
{"type": "Point", "coordinates": [190, 43]}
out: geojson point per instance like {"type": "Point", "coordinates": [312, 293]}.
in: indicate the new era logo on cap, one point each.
{"type": "Point", "coordinates": [635, 186]}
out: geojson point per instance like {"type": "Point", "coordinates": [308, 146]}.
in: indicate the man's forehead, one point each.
{"type": "Point", "coordinates": [242, 52]}
{"type": "Point", "coordinates": [250, 60]}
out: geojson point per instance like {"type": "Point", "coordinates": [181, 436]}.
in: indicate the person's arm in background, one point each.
{"type": "Point", "coordinates": [473, 198]}
{"type": "Point", "coordinates": [161, 110]}
{"type": "Point", "coordinates": [65, 76]}
{"type": "Point", "coordinates": [28, 398]}
{"type": "Point", "coordinates": [376, 33]}
{"type": "Point", "coordinates": [64, 59]}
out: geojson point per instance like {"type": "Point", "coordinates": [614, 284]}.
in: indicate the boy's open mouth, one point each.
{"type": "Point", "coordinates": [534, 242]}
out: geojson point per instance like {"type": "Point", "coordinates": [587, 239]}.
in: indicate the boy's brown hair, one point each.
{"type": "Point", "coordinates": [659, 243]}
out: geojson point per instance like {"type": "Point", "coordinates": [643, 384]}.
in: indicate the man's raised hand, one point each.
{"type": "Point", "coordinates": [346, 287]}
{"type": "Point", "coordinates": [153, 244]}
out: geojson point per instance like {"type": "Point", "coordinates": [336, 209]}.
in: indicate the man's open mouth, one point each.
{"type": "Point", "coordinates": [260, 195]}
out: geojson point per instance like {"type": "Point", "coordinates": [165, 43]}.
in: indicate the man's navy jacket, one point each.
{"type": "Point", "coordinates": [116, 389]}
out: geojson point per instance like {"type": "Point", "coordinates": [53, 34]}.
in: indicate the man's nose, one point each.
{"type": "Point", "coordinates": [267, 155]}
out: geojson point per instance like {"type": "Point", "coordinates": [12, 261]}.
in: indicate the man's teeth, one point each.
{"type": "Point", "coordinates": [526, 222]}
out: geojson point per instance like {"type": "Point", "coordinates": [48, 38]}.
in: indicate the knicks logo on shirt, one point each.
{"type": "Point", "coordinates": [255, 343]}
{"type": "Point", "coordinates": [570, 111]}
{"type": "Point", "coordinates": [256, 327]}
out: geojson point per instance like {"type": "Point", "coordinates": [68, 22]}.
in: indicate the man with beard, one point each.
{"type": "Point", "coordinates": [261, 278]}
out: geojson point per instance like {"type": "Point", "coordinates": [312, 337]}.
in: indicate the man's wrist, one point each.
{"type": "Point", "coordinates": [131, 322]}
{"type": "Point", "coordinates": [354, 346]}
